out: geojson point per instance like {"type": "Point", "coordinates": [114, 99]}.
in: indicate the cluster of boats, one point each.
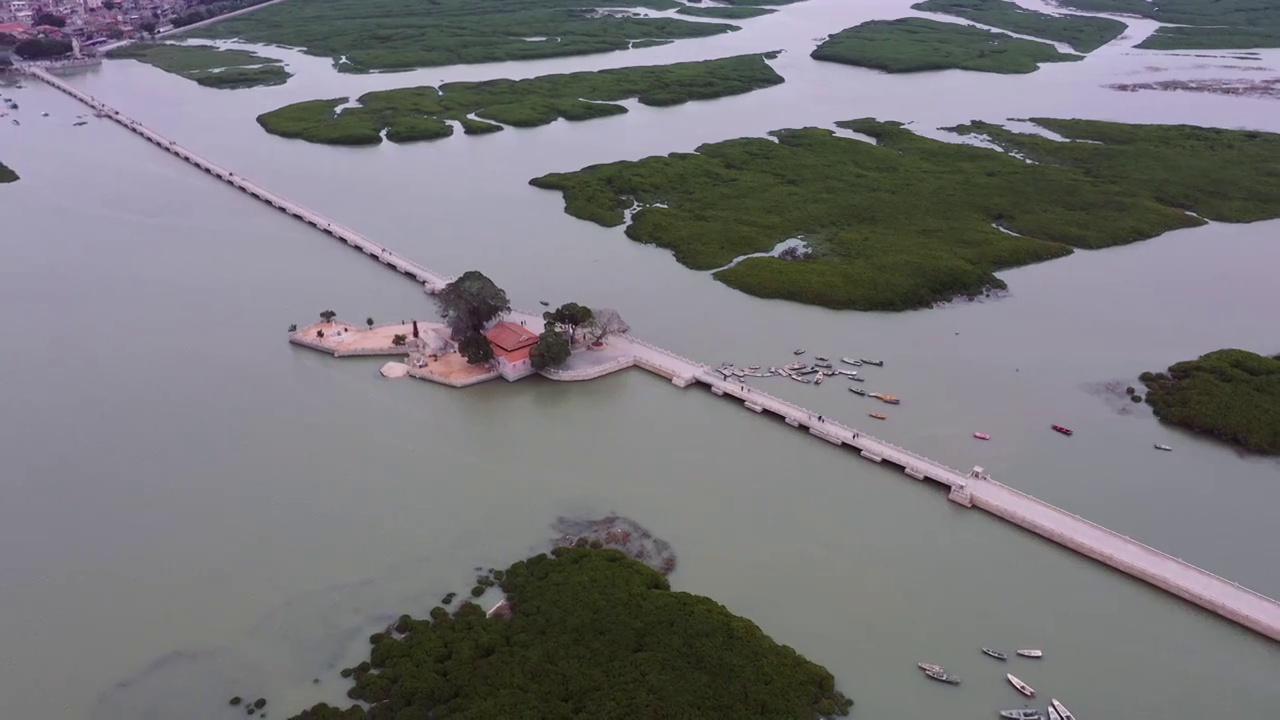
{"type": "Point", "coordinates": [820, 369]}
{"type": "Point", "coordinates": [1055, 711]}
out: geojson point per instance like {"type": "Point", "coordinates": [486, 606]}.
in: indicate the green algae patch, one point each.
{"type": "Point", "coordinates": [207, 65]}
{"type": "Point", "coordinates": [367, 35]}
{"type": "Point", "coordinates": [7, 175]}
{"type": "Point", "coordinates": [419, 113]}
{"type": "Point", "coordinates": [1232, 395]}
{"type": "Point", "coordinates": [1083, 34]}
{"type": "Point", "coordinates": [916, 44]}
{"type": "Point", "coordinates": [910, 220]}
{"type": "Point", "coordinates": [591, 634]}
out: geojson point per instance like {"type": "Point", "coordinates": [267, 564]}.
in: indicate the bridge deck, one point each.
{"type": "Point", "coordinates": [1219, 595]}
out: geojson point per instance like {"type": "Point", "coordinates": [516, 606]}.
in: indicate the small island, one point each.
{"type": "Point", "coordinates": [1197, 24]}
{"type": "Point", "coordinates": [377, 35]}
{"type": "Point", "coordinates": [1084, 34]}
{"type": "Point", "coordinates": [420, 113]}
{"type": "Point", "coordinates": [7, 175]}
{"type": "Point", "coordinates": [207, 65]}
{"type": "Point", "coordinates": [916, 44]}
{"type": "Point", "coordinates": [910, 221]}
{"type": "Point", "coordinates": [585, 633]}
{"type": "Point", "coordinates": [1232, 395]}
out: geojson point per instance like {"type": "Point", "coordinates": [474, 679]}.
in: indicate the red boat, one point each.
{"type": "Point", "coordinates": [1064, 430]}
{"type": "Point", "coordinates": [982, 436]}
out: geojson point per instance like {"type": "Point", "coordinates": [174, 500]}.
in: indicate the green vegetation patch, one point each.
{"type": "Point", "coordinates": [1083, 34]}
{"type": "Point", "coordinates": [1215, 24]}
{"type": "Point", "coordinates": [419, 113]}
{"type": "Point", "coordinates": [911, 220]}
{"type": "Point", "coordinates": [724, 12]}
{"type": "Point", "coordinates": [592, 634]}
{"type": "Point", "coordinates": [207, 65]}
{"type": "Point", "coordinates": [1233, 395]}
{"type": "Point", "coordinates": [916, 44]}
{"type": "Point", "coordinates": [7, 175]}
{"type": "Point", "coordinates": [393, 34]}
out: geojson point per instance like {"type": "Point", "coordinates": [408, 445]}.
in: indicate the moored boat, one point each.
{"type": "Point", "coordinates": [821, 358]}
{"type": "Point", "coordinates": [857, 391]}
{"type": "Point", "coordinates": [798, 351]}
{"type": "Point", "coordinates": [982, 436]}
{"type": "Point", "coordinates": [1064, 430]}
{"type": "Point", "coordinates": [1062, 710]}
{"type": "Point", "coordinates": [878, 416]}
{"type": "Point", "coordinates": [995, 654]}
{"type": "Point", "coordinates": [930, 666]}
{"type": "Point", "coordinates": [1166, 448]}
{"type": "Point", "coordinates": [1023, 714]}
{"type": "Point", "coordinates": [1054, 714]}
{"type": "Point", "coordinates": [852, 361]}
{"type": "Point", "coordinates": [942, 676]}
{"type": "Point", "coordinates": [818, 380]}
{"type": "Point", "coordinates": [753, 367]}
{"type": "Point", "coordinates": [822, 364]}
{"type": "Point", "coordinates": [857, 378]}
{"type": "Point", "coordinates": [1022, 687]}
{"type": "Point", "coordinates": [1031, 653]}
{"type": "Point", "coordinates": [877, 363]}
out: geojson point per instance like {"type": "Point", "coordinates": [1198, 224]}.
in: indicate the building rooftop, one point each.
{"type": "Point", "coordinates": [509, 338]}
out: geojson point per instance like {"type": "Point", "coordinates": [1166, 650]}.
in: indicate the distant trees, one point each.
{"type": "Point", "coordinates": [47, 18]}
{"type": "Point", "coordinates": [569, 316]}
{"type": "Point", "coordinates": [7, 40]}
{"type": "Point", "coordinates": [109, 4]}
{"type": "Point", "coordinates": [552, 350]}
{"type": "Point", "coordinates": [399, 339]}
{"type": "Point", "coordinates": [42, 47]}
{"type": "Point", "coordinates": [328, 316]}
{"type": "Point", "coordinates": [605, 322]}
{"type": "Point", "coordinates": [147, 27]}
{"type": "Point", "coordinates": [369, 322]}
{"type": "Point", "coordinates": [476, 349]}
{"type": "Point", "coordinates": [293, 327]}
{"type": "Point", "coordinates": [471, 302]}
{"type": "Point", "coordinates": [1233, 395]}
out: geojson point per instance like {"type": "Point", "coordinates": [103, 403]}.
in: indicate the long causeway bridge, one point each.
{"type": "Point", "coordinates": [969, 489]}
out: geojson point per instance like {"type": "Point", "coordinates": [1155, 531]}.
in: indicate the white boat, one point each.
{"type": "Point", "coordinates": [852, 361]}
{"type": "Point", "coordinates": [1166, 448]}
{"type": "Point", "coordinates": [1031, 653]}
{"type": "Point", "coordinates": [1053, 714]}
{"type": "Point", "coordinates": [927, 667]}
{"type": "Point", "coordinates": [1022, 687]}
{"type": "Point", "coordinates": [1062, 710]}
{"type": "Point", "coordinates": [1023, 714]}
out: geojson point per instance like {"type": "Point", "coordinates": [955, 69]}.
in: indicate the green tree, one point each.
{"type": "Point", "coordinates": [569, 316]}
{"type": "Point", "coordinates": [293, 327]}
{"type": "Point", "coordinates": [551, 351]}
{"type": "Point", "coordinates": [328, 316]}
{"type": "Point", "coordinates": [42, 47]}
{"type": "Point", "coordinates": [476, 349]}
{"type": "Point", "coordinates": [7, 40]}
{"type": "Point", "coordinates": [147, 27]}
{"type": "Point", "coordinates": [109, 4]}
{"type": "Point", "coordinates": [320, 334]}
{"type": "Point", "coordinates": [399, 339]}
{"type": "Point", "coordinates": [51, 20]}
{"type": "Point", "coordinates": [470, 302]}
{"type": "Point", "coordinates": [369, 322]}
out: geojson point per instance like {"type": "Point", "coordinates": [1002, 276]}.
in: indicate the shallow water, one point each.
{"type": "Point", "coordinates": [194, 509]}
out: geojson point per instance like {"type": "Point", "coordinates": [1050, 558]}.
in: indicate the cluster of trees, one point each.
{"type": "Point", "coordinates": [594, 634]}
{"type": "Point", "coordinates": [47, 18]}
{"type": "Point", "coordinates": [467, 305]}
{"type": "Point", "coordinates": [1233, 395]}
{"type": "Point", "coordinates": [39, 48]}
{"type": "Point", "coordinates": [211, 9]}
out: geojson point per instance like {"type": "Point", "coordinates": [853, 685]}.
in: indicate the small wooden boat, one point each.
{"type": "Point", "coordinates": [1064, 430]}
{"type": "Point", "coordinates": [1022, 687]}
{"type": "Point", "coordinates": [821, 358]}
{"type": "Point", "coordinates": [753, 367]}
{"type": "Point", "coordinates": [1166, 448]}
{"type": "Point", "coordinates": [797, 378]}
{"type": "Point", "coordinates": [856, 378]}
{"type": "Point", "coordinates": [857, 391]}
{"type": "Point", "coordinates": [995, 654]}
{"type": "Point", "coordinates": [852, 361]}
{"type": "Point", "coordinates": [1063, 712]}
{"type": "Point", "coordinates": [544, 303]}
{"type": "Point", "coordinates": [1054, 714]}
{"type": "Point", "coordinates": [930, 666]}
{"type": "Point", "coordinates": [825, 365]}
{"type": "Point", "coordinates": [798, 351]}
{"type": "Point", "coordinates": [941, 676]}
{"type": "Point", "coordinates": [850, 373]}
{"type": "Point", "coordinates": [1023, 714]}
{"type": "Point", "coordinates": [982, 436]}
{"type": "Point", "coordinates": [879, 416]}
{"type": "Point", "coordinates": [818, 380]}
{"type": "Point", "coordinates": [1031, 653]}
{"type": "Point", "coordinates": [877, 363]}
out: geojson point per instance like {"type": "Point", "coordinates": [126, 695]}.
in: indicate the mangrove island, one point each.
{"type": "Point", "coordinates": [1084, 34]}
{"type": "Point", "coordinates": [1232, 395]}
{"type": "Point", "coordinates": [207, 65]}
{"type": "Point", "coordinates": [910, 220]}
{"type": "Point", "coordinates": [371, 35]}
{"type": "Point", "coordinates": [1197, 24]}
{"type": "Point", "coordinates": [7, 175]}
{"type": "Point", "coordinates": [585, 632]}
{"type": "Point", "coordinates": [916, 44]}
{"type": "Point", "coordinates": [420, 113]}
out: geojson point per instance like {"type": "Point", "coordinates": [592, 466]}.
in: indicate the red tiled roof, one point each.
{"type": "Point", "coordinates": [510, 337]}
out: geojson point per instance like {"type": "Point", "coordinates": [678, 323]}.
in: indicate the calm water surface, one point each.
{"type": "Point", "coordinates": [194, 509]}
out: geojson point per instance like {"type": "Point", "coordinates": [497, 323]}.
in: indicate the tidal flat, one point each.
{"type": "Point", "coordinates": [207, 65]}
{"type": "Point", "coordinates": [909, 221]}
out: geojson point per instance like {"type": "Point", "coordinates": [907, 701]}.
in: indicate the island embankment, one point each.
{"type": "Point", "coordinates": [421, 113]}
{"type": "Point", "coordinates": [911, 220]}
{"type": "Point", "coordinates": [372, 35]}
{"type": "Point", "coordinates": [591, 629]}
{"type": "Point", "coordinates": [207, 65]}
{"type": "Point", "coordinates": [918, 44]}
{"type": "Point", "coordinates": [1232, 395]}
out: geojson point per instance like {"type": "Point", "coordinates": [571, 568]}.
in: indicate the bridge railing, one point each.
{"type": "Point", "coordinates": [1126, 538]}
{"type": "Point", "coordinates": [668, 353]}
{"type": "Point", "coordinates": [590, 373]}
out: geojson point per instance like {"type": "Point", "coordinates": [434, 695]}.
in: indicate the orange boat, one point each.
{"type": "Point", "coordinates": [879, 416]}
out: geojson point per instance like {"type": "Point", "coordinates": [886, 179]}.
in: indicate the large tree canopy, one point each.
{"type": "Point", "coordinates": [470, 302]}
{"type": "Point", "coordinates": [592, 634]}
{"type": "Point", "coordinates": [552, 350]}
{"type": "Point", "coordinates": [42, 47]}
{"type": "Point", "coordinates": [476, 349]}
{"type": "Point", "coordinates": [569, 316]}
{"type": "Point", "coordinates": [606, 322]}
